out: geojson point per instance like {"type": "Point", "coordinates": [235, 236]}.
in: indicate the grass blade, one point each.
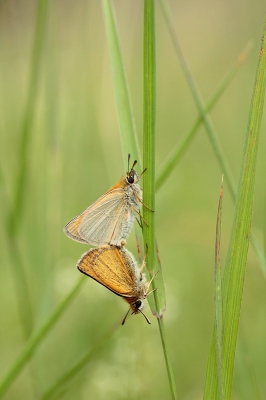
{"type": "Point", "coordinates": [125, 114]}
{"type": "Point", "coordinates": [218, 297]}
{"type": "Point", "coordinates": [234, 274]}
{"type": "Point", "coordinates": [149, 177]}
{"type": "Point", "coordinates": [69, 374]}
{"type": "Point", "coordinates": [213, 137]}
{"type": "Point", "coordinates": [16, 210]}
{"type": "Point", "coordinates": [178, 151]}
{"type": "Point", "coordinates": [37, 338]}
{"type": "Point", "coordinates": [197, 98]}
{"type": "Point", "coordinates": [34, 78]}
{"type": "Point", "coordinates": [149, 144]}
{"type": "Point", "coordinates": [128, 132]}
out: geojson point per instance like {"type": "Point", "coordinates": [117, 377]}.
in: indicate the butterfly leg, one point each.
{"type": "Point", "coordinates": [139, 222]}
{"type": "Point", "coordinates": [140, 200]}
{"type": "Point", "coordinates": [148, 208]}
{"type": "Point", "coordinates": [143, 264]}
{"type": "Point", "coordinates": [149, 284]}
{"type": "Point", "coordinates": [153, 290]}
{"type": "Point", "coordinates": [141, 219]}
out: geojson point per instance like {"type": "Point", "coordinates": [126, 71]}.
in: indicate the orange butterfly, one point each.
{"type": "Point", "coordinates": [116, 269]}
{"type": "Point", "coordinates": [110, 219]}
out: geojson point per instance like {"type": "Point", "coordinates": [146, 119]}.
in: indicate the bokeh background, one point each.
{"type": "Point", "coordinates": [74, 155]}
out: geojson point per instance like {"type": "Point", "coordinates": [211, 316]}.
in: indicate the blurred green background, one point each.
{"type": "Point", "coordinates": [74, 155]}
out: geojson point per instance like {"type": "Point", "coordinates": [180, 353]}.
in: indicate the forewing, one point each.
{"type": "Point", "coordinates": [108, 265]}
{"type": "Point", "coordinates": [93, 224]}
{"type": "Point", "coordinates": [72, 228]}
{"type": "Point", "coordinates": [108, 220]}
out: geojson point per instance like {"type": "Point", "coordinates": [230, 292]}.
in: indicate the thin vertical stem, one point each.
{"type": "Point", "coordinates": [149, 116]}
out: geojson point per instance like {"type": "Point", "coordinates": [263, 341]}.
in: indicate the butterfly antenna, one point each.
{"type": "Point", "coordinates": [134, 163]}
{"type": "Point", "coordinates": [142, 174]}
{"type": "Point", "coordinates": [128, 161]}
{"type": "Point", "coordinates": [147, 319]}
{"type": "Point", "coordinates": [140, 177]}
{"type": "Point", "coordinates": [125, 317]}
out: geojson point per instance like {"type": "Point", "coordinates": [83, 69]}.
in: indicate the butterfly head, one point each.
{"type": "Point", "coordinates": [136, 308]}
{"type": "Point", "coordinates": [132, 176]}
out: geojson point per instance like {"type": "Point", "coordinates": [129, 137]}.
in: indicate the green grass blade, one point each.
{"type": "Point", "coordinates": [213, 137]}
{"type": "Point", "coordinates": [3, 199]}
{"type": "Point", "coordinates": [259, 252]}
{"type": "Point", "coordinates": [36, 339]}
{"type": "Point", "coordinates": [149, 101]}
{"type": "Point", "coordinates": [26, 130]}
{"type": "Point", "coordinates": [19, 277]}
{"type": "Point", "coordinates": [21, 287]}
{"type": "Point", "coordinates": [149, 143]}
{"type": "Point", "coordinates": [178, 151]}
{"type": "Point", "coordinates": [234, 273]}
{"type": "Point", "coordinates": [125, 114]}
{"type": "Point", "coordinates": [264, 226]}
{"type": "Point", "coordinates": [128, 133]}
{"type": "Point", "coordinates": [16, 210]}
{"type": "Point", "coordinates": [169, 368]}
{"type": "Point", "coordinates": [198, 100]}
{"type": "Point", "coordinates": [218, 298]}
{"type": "Point", "coordinates": [72, 372]}
{"type": "Point", "coordinates": [149, 98]}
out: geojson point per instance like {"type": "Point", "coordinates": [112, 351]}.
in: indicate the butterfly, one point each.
{"type": "Point", "coordinates": [116, 269]}
{"type": "Point", "coordinates": [110, 218]}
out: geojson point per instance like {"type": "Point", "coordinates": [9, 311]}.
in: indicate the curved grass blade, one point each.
{"type": "Point", "coordinates": [36, 339]}
{"type": "Point", "coordinates": [179, 150]}
{"type": "Point", "coordinates": [15, 215]}
{"type": "Point", "coordinates": [234, 273]}
{"type": "Point", "coordinates": [72, 372]}
{"type": "Point", "coordinates": [197, 97]}
{"type": "Point", "coordinates": [16, 210]}
{"type": "Point", "coordinates": [213, 137]}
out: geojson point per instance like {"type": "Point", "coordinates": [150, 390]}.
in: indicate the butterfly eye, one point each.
{"type": "Point", "coordinates": [138, 304]}
{"type": "Point", "coordinates": [130, 179]}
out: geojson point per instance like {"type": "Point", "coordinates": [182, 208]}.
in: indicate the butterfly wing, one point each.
{"type": "Point", "coordinates": [112, 267]}
{"type": "Point", "coordinates": [82, 227]}
{"type": "Point", "coordinates": [107, 221]}
{"type": "Point", "coordinates": [72, 228]}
